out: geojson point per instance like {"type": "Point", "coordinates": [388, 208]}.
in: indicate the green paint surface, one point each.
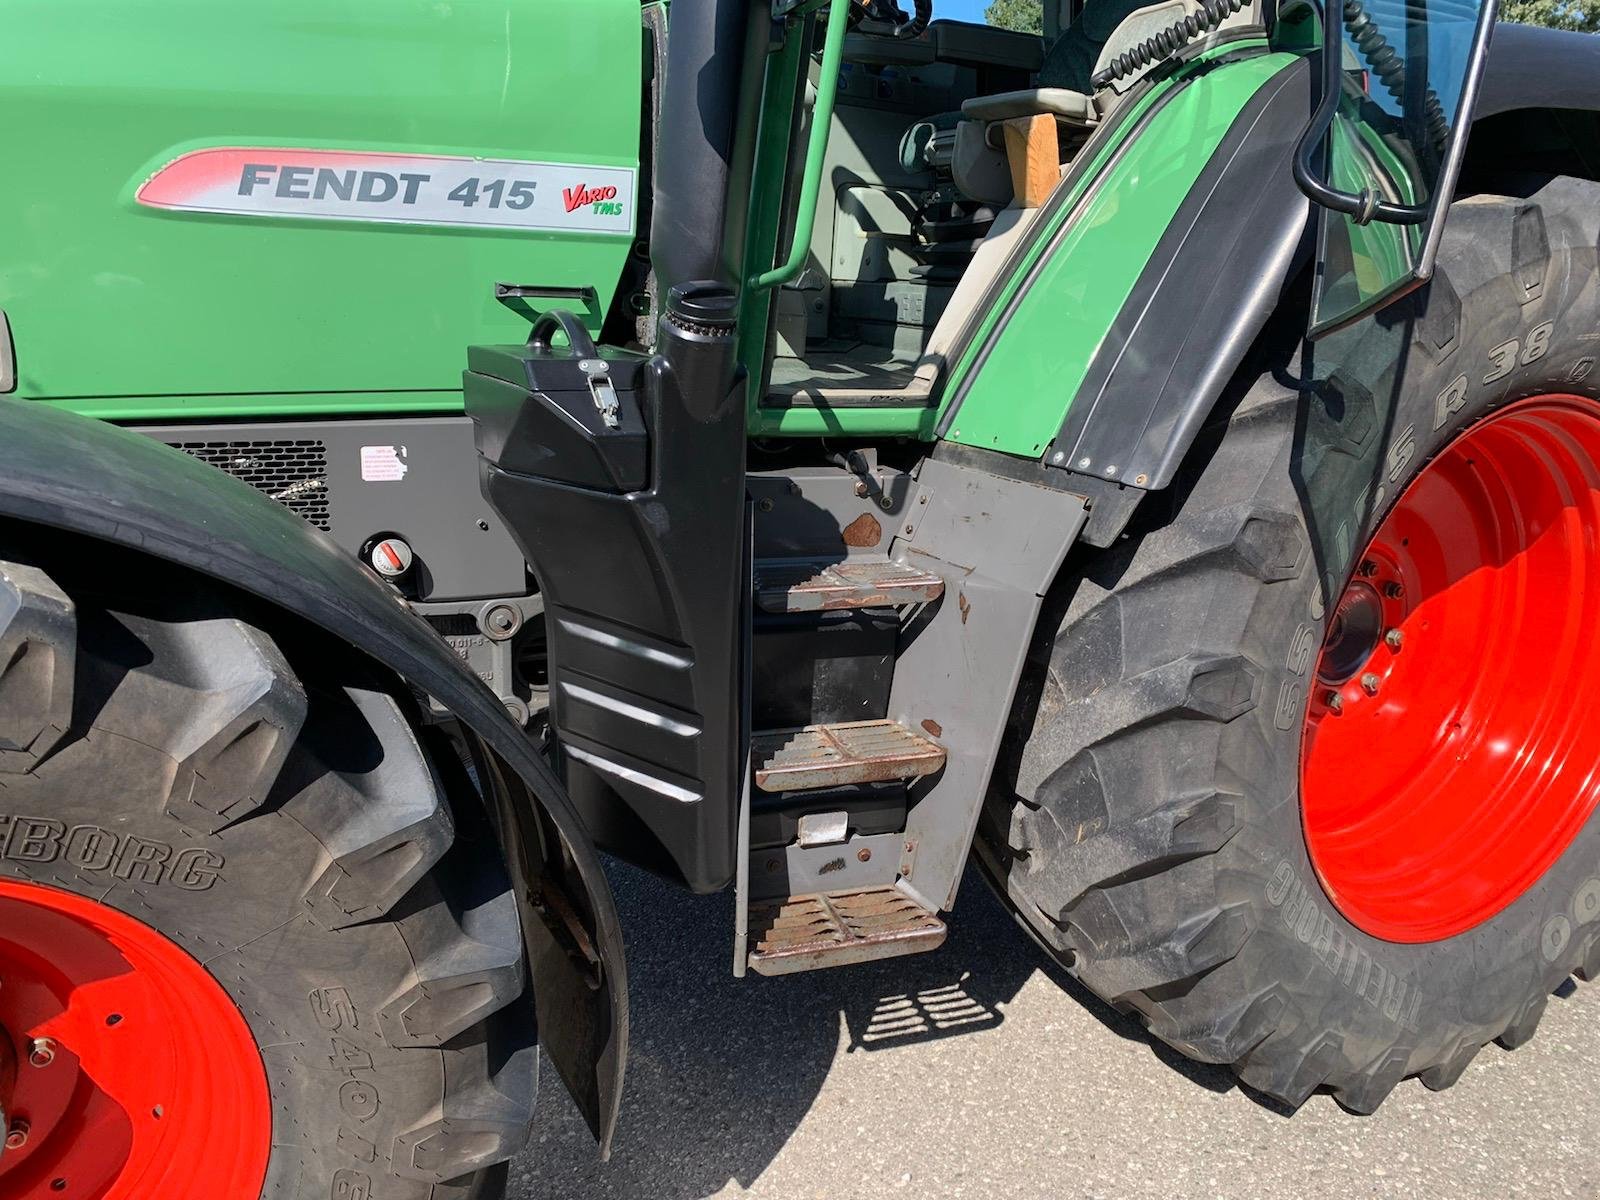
{"type": "Point", "coordinates": [1019, 394]}
{"type": "Point", "coordinates": [195, 315]}
{"type": "Point", "coordinates": [764, 219]}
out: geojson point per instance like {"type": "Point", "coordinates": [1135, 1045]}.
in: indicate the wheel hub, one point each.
{"type": "Point", "coordinates": [1450, 755]}
{"type": "Point", "coordinates": [133, 1072]}
{"type": "Point", "coordinates": [1354, 631]}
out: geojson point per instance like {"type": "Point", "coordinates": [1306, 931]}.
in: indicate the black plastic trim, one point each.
{"type": "Point", "coordinates": [1236, 241]}
{"type": "Point", "coordinates": [645, 578]}
{"type": "Point", "coordinates": [1539, 68]}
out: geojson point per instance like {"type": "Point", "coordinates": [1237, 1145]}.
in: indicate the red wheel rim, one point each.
{"type": "Point", "coordinates": [137, 1076]}
{"type": "Point", "coordinates": [1451, 752]}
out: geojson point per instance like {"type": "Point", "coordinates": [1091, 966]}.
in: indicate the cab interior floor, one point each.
{"type": "Point", "coordinates": [839, 370]}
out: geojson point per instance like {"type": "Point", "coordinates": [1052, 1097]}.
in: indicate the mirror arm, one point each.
{"type": "Point", "coordinates": [1362, 207]}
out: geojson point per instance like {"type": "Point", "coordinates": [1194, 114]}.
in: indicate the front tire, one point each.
{"type": "Point", "coordinates": [229, 816]}
{"type": "Point", "coordinates": [1167, 838]}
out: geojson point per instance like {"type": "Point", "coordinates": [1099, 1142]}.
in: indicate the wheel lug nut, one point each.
{"type": "Point", "coordinates": [1393, 590]}
{"type": "Point", "coordinates": [17, 1135]}
{"type": "Point", "coordinates": [1369, 683]}
{"type": "Point", "coordinates": [42, 1053]}
{"type": "Point", "coordinates": [1369, 568]}
{"type": "Point", "coordinates": [1335, 703]}
{"type": "Point", "coordinates": [1394, 639]}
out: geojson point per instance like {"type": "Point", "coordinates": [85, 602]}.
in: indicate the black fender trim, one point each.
{"type": "Point", "coordinates": [1234, 247]}
{"type": "Point", "coordinates": [1239, 241]}
{"type": "Point", "coordinates": [72, 473]}
{"type": "Point", "coordinates": [1530, 67]}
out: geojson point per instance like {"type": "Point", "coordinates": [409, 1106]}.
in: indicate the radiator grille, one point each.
{"type": "Point", "coordinates": [294, 472]}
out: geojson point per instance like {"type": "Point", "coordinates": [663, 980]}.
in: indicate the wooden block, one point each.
{"type": "Point", "coordinates": [1034, 152]}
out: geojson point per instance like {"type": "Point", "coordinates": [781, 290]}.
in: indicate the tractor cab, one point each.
{"type": "Point", "coordinates": [945, 141]}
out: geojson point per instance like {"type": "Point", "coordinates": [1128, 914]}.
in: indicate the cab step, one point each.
{"type": "Point", "coordinates": [823, 756]}
{"type": "Point", "coordinates": [787, 585]}
{"type": "Point", "coordinates": [834, 929]}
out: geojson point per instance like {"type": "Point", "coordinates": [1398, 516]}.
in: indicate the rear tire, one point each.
{"type": "Point", "coordinates": [1153, 835]}
{"type": "Point", "coordinates": [271, 807]}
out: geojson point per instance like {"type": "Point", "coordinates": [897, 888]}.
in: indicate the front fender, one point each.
{"type": "Point", "coordinates": [72, 473]}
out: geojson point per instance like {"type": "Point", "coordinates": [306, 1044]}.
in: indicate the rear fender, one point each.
{"type": "Point", "coordinates": [1539, 107]}
{"type": "Point", "coordinates": [102, 481]}
{"type": "Point", "coordinates": [1233, 251]}
{"type": "Point", "coordinates": [1102, 364]}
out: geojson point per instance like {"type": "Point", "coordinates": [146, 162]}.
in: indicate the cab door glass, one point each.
{"type": "Point", "coordinates": [1406, 67]}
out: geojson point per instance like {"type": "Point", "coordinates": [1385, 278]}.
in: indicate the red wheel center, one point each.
{"type": "Point", "coordinates": [1451, 753]}
{"type": "Point", "coordinates": [136, 1075]}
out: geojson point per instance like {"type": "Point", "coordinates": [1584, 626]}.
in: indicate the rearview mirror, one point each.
{"type": "Point", "coordinates": [1383, 151]}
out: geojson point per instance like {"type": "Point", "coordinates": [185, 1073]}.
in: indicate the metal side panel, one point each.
{"type": "Point", "coordinates": [358, 480]}
{"type": "Point", "coordinates": [998, 544]}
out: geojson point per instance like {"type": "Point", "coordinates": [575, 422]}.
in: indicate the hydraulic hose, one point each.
{"type": "Point", "coordinates": [1158, 46]}
{"type": "Point", "coordinates": [1390, 67]}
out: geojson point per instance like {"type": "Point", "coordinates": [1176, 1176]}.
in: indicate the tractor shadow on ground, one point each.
{"type": "Point", "coordinates": [722, 1071]}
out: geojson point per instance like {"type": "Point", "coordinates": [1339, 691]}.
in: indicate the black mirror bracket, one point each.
{"type": "Point", "coordinates": [1362, 207]}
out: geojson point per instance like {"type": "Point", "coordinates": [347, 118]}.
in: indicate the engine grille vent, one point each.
{"type": "Point", "coordinates": [294, 472]}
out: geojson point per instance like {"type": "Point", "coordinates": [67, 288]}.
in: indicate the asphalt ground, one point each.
{"type": "Point", "coordinates": [980, 1071]}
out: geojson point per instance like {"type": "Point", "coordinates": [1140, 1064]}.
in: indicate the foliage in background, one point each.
{"type": "Point", "coordinates": [1028, 15]}
{"type": "Point", "coordinates": [1582, 15]}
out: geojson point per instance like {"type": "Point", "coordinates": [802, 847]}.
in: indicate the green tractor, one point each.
{"type": "Point", "coordinates": [1158, 462]}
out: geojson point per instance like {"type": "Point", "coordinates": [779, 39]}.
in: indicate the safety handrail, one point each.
{"type": "Point", "coordinates": [816, 151]}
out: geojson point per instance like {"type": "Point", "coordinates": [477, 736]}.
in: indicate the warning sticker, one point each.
{"type": "Point", "coordinates": [383, 464]}
{"type": "Point", "coordinates": [413, 189]}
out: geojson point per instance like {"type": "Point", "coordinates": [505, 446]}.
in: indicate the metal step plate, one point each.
{"type": "Point", "coordinates": [807, 933]}
{"type": "Point", "coordinates": [819, 756]}
{"type": "Point", "coordinates": [793, 586]}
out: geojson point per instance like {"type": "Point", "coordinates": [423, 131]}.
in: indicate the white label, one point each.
{"type": "Point", "coordinates": [416, 189]}
{"type": "Point", "coordinates": [383, 464]}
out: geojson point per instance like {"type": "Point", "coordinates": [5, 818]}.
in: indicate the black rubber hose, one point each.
{"type": "Point", "coordinates": [1158, 46]}
{"type": "Point", "coordinates": [1390, 67]}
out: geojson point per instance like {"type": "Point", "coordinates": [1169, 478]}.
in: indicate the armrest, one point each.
{"type": "Point", "coordinates": [1053, 102]}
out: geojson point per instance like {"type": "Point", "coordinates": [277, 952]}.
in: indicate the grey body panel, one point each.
{"type": "Point", "coordinates": [1539, 68]}
{"type": "Point", "coordinates": [84, 476]}
{"type": "Point", "coordinates": [434, 503]}
{"type": "Point", "coordinates": [998, 543]}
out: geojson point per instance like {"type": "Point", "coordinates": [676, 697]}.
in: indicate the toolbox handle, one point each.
{"type": "Point", "coordinates": [580, 344]}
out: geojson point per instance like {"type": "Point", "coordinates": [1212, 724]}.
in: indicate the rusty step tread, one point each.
{"type": "Point", "coordinates": [789, 585]}
{"type": "Point", "coordinates": [834, 929]}
{"type": "Point", "coordinates": [820, 756]}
